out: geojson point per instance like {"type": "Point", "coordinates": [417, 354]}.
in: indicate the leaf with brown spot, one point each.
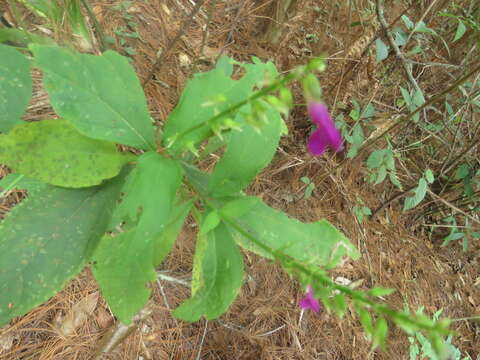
{"type": "Point", "coordinates": [15, 86]}
{"type": "Point", "coordinates": [47, 239]}
{"type": "Point", "coordinates": [54, 152]}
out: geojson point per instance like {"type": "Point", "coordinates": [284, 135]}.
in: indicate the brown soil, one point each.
{"type": "Point", "coordinates": [264, 322]}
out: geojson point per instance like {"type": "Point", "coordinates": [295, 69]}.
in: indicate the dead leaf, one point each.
{"type": "Point", "coordinates": [78, 314]}
{"type": "Point", "coordinates": [104, 318]}
{"type": "Point", "coordinates": [184, 60]}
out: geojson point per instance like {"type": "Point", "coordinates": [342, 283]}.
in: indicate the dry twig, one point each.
{"type": "Point", "coordinates": [183, 28]}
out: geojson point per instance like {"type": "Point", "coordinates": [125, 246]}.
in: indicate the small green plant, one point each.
{"type": "Point", "coordinates": [382, 163]}
{"type": "Point", "coordinates": [361, 210]}
{"type": "Point", "coordinates": [421, 348]}
{"type": "Point", "coordinates": [129, 31]}
{"type": "Point", "coordinates": [354, 134]}
{"type": "Point", "coordinates": [419, 192]}
{"type": "Point", "coordinates": [310, 187]}
{"type": "Point", "coordinates": [460, 233]}
{"type": "Point", "coordinates": [121, 211]}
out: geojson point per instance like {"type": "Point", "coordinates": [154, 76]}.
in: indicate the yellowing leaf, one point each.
{"type": "Point", "coordinates": [54, 152]}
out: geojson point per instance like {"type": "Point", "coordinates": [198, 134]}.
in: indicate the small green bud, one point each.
{"type": "Point", "coordinates": [311, 87]}
{"type": "Point", "coordinates": [317, 64]}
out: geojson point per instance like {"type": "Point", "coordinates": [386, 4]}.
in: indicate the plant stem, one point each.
{"type": "Point", "coordinates": [357, 296]}
{"type": "Point", "coordinates": [276, 85]}
{"type": "Point", "coordinates": [96, 25]}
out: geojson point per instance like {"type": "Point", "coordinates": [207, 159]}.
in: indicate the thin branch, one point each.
{"type": "Point", "coordinates": [96, 25]}
{"type": "Point", "coordinates": [172, 279]}
{"type": "Point", "coordinates": [392, 199]}
{"type": "Point", "coordinates": [199, 354]}
{"type": "Point", "coordinates": [453, 207]}
{"type": "Point", "coordinates": [201, 52]}
{"type": "Point", "coordinates": [183, 28]}
{"type": "Point", "coordinates": [406, 66]}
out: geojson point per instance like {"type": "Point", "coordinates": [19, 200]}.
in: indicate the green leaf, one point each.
{"type": "Point", "coordinates": [378, 291]}
{"type": "Point", "coordinates": [248, 152]}
{"type": "Point", "coordinates": [18, 181]}
{"type": "Point", "coordinates": [53, 151]}
{"type": "Point", "coordinates": [389, 160]}
{"type": "Point", "coordinates": [340, 305]}
{"type": "Point", "coordinates": [164, 242]}
{"type": "Point", "coordinates": [206, 95]}
{"type": "Point", "coordinates": [394, 180]}
{"type": "Point", "coordinates": [462, 171]}
{"type": "Point", "coordinates": [226, 65]}
{"type": "Point", "coordinates": [355, 114]}
{"type": "Point", "coordinates": [366, 320]}
{"type": "Point", "coordinates": [375, 159]}
{"type": "Point", "coordinates": [461, 29]}
{"type": "Point", "coordinates": [22, 38]}
{"type": "Point", "coordinates": [76, 19]}
{"type": "Point", "coordinates": [476, 234]}
{"type": "Point", "coordinates": [400, 36]}
{"type": "Point", "coordinates": [418, 98]}
{"type": "Point", "coordinates": [452, 237]}
{"type": "Point", "coordinates": [358, 213]}
{"type": "Point", "coordinates": [211, 221]}
{"type": "Point", "coordinates": [368, 111]}
{"type": "Point", "coordinates": [15, 87]}
{"type": "Point", "coordinates": [47, 239]}
{"type": "Point", "coordinates": [318, 243]}
{"type": "Point", "coordinates": [238, 207]}
{"type": "Point", "coordinates": [429, 176]}
{"type": "Point", "coordinates": [124, 262]}
{"type": "Point", "coordinates": [100, 95]}
{"type": "Point", "coordinates": [217, 276]}
{"type": "Point", "coordinates": [406, 96]}
{"type": "Point", "coordinates": [309, 191]}
{"type": "Point", "coordinates": [381, 175]}
{"type": "Point", "coordinates": [382, 50]}
{"type": "Point", "coordinates": [122, 268]}
{"type": "Point", "coordinates": [420, 192]}
{"type": "Point", "coordinates": [408, 23]}
{"type": "Point", "coordinates": [305, 180]}
{"type": "Point", "coordinates": [380, 333]}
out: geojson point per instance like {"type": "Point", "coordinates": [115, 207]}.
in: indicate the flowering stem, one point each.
{"type": "Point", "coordinates": [276, 85]}
{"type": "Point", "coordinates": [326, 281]}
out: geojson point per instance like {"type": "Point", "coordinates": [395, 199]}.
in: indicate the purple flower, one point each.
{"type": "Point", "coordinates": [309, 302]}
{"type": "Point", "coordinates": [326, 134]}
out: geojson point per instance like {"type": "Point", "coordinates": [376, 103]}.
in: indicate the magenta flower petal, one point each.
{"type": "Point", "coordinates": [327, 135]}
{"type": "Point", "coordinates": [309, 302]}
{"type": "Point", "coordinates": [317, 142]}
{"type": "Point", "coordinates": [318, 113]}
